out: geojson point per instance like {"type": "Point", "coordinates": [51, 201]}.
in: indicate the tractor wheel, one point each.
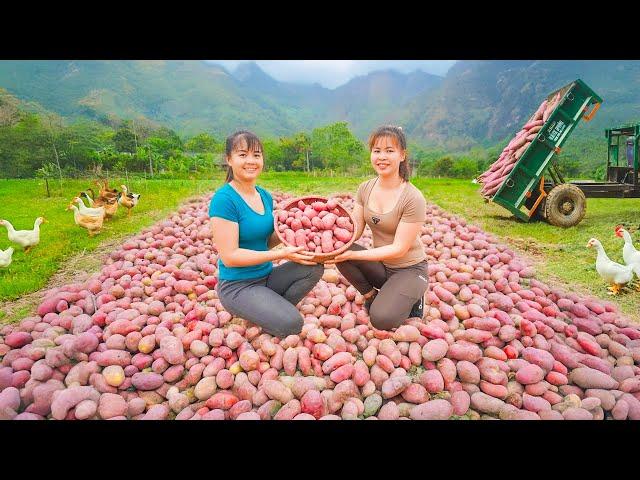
{"type": "Point", "coordinates": [565, 205]}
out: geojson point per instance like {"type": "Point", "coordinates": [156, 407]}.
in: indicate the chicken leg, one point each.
{"type": "Point", "coordinates": [615, 289]}
{"type": "Point", "coordinates": [27, 249]}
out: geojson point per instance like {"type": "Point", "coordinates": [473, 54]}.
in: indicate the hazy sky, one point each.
{"type": "Point", "coordinates": [333, 73]}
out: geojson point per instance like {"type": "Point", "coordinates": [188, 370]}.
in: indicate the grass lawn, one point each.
{"type": "Point", "coordinates": [560, 255]}
{"type": "Point", "coordinates": [24, 200]}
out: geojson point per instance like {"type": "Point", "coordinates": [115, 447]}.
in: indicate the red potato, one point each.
{"type": "Point", "coordinates": [389, 411]}
{"type": "Point", "coordinates": [432, 410]}
{"type": "Point", "coordinates": [415, 393]}
{"type": "Point", "coordinates": [460, 402]}
{"type": "Point", "coordinates": [312, 403]}
{"type": "Point", "coordinates": [539, 357]}
{"type": "Point", "coordinates": [64, 400]}
{"type": "Point", "coordinates": [432, 381]}
{"type": "Point", "coordinates": [172, 350]}
{"type": "Point", "coordinates": [495, 390]}
{"type": "Point", "coordinates": [556, 378]}
{"type": "Point", "coordinates": [485, 403]}
{"type": "Point", "coordinates": [395, 386]}
{"type": "Point", "coordinates": [288, 411]}
{"type": "Point", "coordinates": [586, 377]}
{"type": "Point", "coordinates": [468, 372]}
{"type": "Point", "coordinates": [156, 412]}
{"type": "Point", "coordinates": [406, 333]}
{"type": "Point", "coordinates": [434, 350]}
{"type": "Point", "coordinates": [336, 361]}
{"type": "Point", "coordinates": [268, 409]}
{"type": "Point", "coordinates": [621, 410]}
{"type": "Point", "coordinates": [275, 390]}
{"type": "Point", "coordinates": [222, 400]}
{"type": "Point", "coordinates": [469, 352]}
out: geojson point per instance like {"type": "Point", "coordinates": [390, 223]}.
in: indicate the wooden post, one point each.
{"type": "Point", "coordinates": [55, 150]}
{"type": "Point", "coordinates": [46, 181]}
{"type": "Point", "coordinates": [135, 136]}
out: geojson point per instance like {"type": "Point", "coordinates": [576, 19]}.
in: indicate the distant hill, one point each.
{"type": "Point", "coordinates": [484, 101]}
{"type": "Point", "coordinates": [195, 96]}
{"type": "Point", "coordinates": [478, 102]}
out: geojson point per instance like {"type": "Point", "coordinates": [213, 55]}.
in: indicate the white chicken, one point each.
{"type": "Point", "coordinates": [615, 274]}
{"type": "Point", "coordinates": [26, 238]}
{"type": "Point", "coordinates": [84, 210]}
{"type": "Point", "coordinates": [5, 257]}
{"type": "Point", "coordinates": [630, 255]}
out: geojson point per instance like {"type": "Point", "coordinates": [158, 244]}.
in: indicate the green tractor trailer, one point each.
{"type": "Point", "coordinates": [536, 189]}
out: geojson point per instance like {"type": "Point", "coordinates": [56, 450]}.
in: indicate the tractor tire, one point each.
{"type": "Point", "coordinates": [565, 205]}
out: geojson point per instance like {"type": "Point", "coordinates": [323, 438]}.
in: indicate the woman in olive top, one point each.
{"type": "Point", "coordinates": [393, 275]}
{"type": "Point", "coordinates": [242, 221]}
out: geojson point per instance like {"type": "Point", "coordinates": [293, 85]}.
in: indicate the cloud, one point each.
{"type": "Point", "coordinates": [333, 73]}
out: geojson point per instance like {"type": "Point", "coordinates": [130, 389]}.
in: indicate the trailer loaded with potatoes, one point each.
{"type": "Point", "coordinates": [525, 178]}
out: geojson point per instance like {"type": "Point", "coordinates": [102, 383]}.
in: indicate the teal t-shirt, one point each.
{"type": "Point", "coordinates": [254, 229]}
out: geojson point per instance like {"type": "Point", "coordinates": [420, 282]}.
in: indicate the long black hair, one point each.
{"type": "Point", "coordinates": [397, 134]}
{"type": "Point", "coordinates": [239, 139]}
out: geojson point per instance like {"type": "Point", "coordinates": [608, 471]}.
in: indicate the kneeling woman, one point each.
{"type": "Point", "coordinates": [242, 221]}
{"type": "Point", "coordinates": [393, 275]}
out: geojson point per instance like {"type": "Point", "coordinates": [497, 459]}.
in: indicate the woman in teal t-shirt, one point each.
{"type": "Point", "coordinates": [242, 222]}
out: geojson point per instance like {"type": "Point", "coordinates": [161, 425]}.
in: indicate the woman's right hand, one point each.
{"type": "Point", "coordinates": [292, 254]}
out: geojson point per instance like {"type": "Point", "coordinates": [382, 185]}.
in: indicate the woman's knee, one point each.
{"type": "Point", "coordinates": [289, 325]}
{"type": "Point", "coordinates": [382, 318]}
{"type": "Point", "coordinates": [317, 271]}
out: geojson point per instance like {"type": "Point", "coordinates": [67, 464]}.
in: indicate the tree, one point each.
{"type": "Point", "coordinates": [302, 143]}
{"type": "Point", "coordinates": [443, 167]}
{"type": "Point", "coordinates": [203, 143]}
{"type": "Point", "coordinates": [124, 140]}
{"type": "Point", "coordinates": [334, 146]}
{"type": "Point", "coordinates": [465, 168]}
{"type": "Point", "coordinates": [171, 137]}
{"type": "Point", "coordinates": [273, 156]}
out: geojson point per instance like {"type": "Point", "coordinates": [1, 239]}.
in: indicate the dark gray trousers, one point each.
{"type": "Point", "coordinates": [400, 288]}
{"type": "Point", "coordinates": [270, 301]}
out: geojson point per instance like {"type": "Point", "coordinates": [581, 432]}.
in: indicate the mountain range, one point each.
{"type": "Point", "coordinates": [477, 102]}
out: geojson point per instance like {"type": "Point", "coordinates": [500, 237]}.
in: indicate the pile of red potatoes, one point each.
{"type": "Point", "coordinates": [499, 170]}
{"type": "Point", "coordinates": [148, 339]}
{"type": "Point", "coordinates": [318, 226]}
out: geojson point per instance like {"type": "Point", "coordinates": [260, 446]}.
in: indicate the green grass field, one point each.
{"type": "Point", "coordinates": [560, 255]}
{"type": "Point", "coordinates": [22, 201]}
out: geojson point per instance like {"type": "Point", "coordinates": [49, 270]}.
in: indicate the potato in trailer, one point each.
{"type": "Point", "coordinates": [524, 192]}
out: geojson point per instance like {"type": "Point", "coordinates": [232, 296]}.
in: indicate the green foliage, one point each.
{"type": "Point", "coordinates": [443, 167]}
{"type": "Point", "coordinates": [203, 142]}
{"type": "Point", "coordinates": [31, 138]}
{"type": "Point", "coordinates": [124, 140]}
{"type": "Point", "coordinates": [335, 147]}
{"type": "Point", "coordinates": [465, 168]}
{"type": "Point", "coordinates": [48, 170]}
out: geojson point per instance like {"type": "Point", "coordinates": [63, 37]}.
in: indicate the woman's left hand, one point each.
{"type": "Point", "coordinates": [343, 257]}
